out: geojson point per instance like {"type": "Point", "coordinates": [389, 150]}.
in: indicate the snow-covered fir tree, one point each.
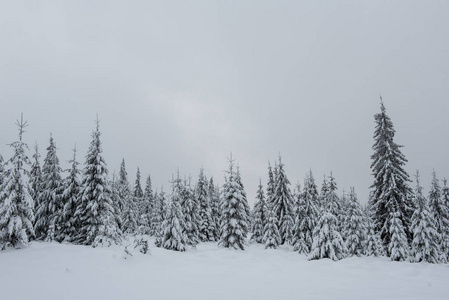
{"type": "Point", "coordinates": [440, 210]}
{"type": "Point", "coordinates": [138, 200]}
{"type": "Point", "coordinates": [373, 245]}
{"type": "Point", "coordinates": [323, 193]}
{"type": "Point", "coordinates": [332, 202]}
{"type": "Point", "coordinates": [49, 213]}
{"type": "Point", "coordinates": [444, 234]}
{"type": "Point", "coordinates": [35, 183]}
{"type": "Point", "coordinates": [306, 216]}
{"type": "Point", "coordinates": [206, 226]}
{"type": "Point", "coordinates": [234, 226]}
{"type": "Point", "coordinates": [116, 201]}
{"type": "Point", "coordinates": [271, 234]}
{"type": "Point", "coordinates": [158, 215]}
{"type": "Point", "coordinates": [129, 218]}
{"type": "Point", "coordinates": [214, 196]}
{"type": "Point", "coordinates": [238, 178]}
{"type": "Point", "coordinates": [299, 241]}
{"type": "Point", "coordinates": [95, 210]}
{"type": "Point", "coordinates": [174, 235]}
{"type": "Point", "coordinates": [70, 198]}
{"type": "Point", "coordinates": [354, 227]}
{"type": "Point", "coordinates": [390, 193]}
{"type": "Point", "coordinates": [283, 204]}
{"type": "Point", "coordinates": [270, 188]}
{"type": "Point", "coordinates": [16, 204]}
{"type": "Point", "coordinates": [147, 207]}
{"type": "Point", "coordinates": [259, 219]}
{"type": "Point", "coordinates": [398, 248]}
{"type": "Point", "coordinates": [190, 209]}
{"type": "Point", "coordinates": [327, 241]}
{"type": "Point", "coordinates": [426, 240]}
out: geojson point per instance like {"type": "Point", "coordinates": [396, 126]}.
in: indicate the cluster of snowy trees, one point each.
{"type": "Point", "coordinates": [89, 207]}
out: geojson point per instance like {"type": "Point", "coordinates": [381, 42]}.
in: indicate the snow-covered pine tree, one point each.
{"type": "Point", "coordinates": [426, 240]}
{"type": "Point", "coordinates": [35, 183]}
{"type": "Point", "coordinates": [307, 216]}
{"type": "Point", "coordinates": [116, 201]}
{"type": "Point", "coordinates": [234, 226]}
{"type": "Point", "coordinates": [138, 201]}
{"type": "Point", "coordinates": [129, 218]}
{"type": "Point", "coordinates": [205, 228]}
{"type": "Point", "coordinates": [16, 204]}
{"type": "Point", "coordinates": [299, 241]}
{"type": "Point", "coordinates": [95, 211]}
{"type": "Point", "coordinates": [398, 249]}
{"type": "Point", "coordinates": [70, 198]}
{"type": "Point", "coordinates": [323, 193]}
{"type": "Point", "coordinates": [190, 209]}
{"type": "Point", "coordinates": [270, 188]}
{"type": "Point", "coordinates": [159, 215]}
{"type": "Point", "coordinates": [147, 207]}
{"type": "Point", "coordinates": [259, 215]}
{"type": "Point", "coordinates": [390, 193]}
{"type": "Point", "coordinates": [355, 227]}
{"type": "Point", "coordinates": [333, 204]}
{"type": "Point", "coordinates": [283, 204]}
{"type": "Point", "coordinates": [445, 236]}
{"type": "Point", "coordinates": [214, 196]}
{"type": "Point", "coordinates": [440, 210]}
{"type": "Point", "coordinates": [271, 234]}
{"type": "Point", "coordinates": [327, 241]}
{"type": "Point", "coordinates": [174, 235]}
{"type": "Point", "coordinates": [238, 178]}
{"type": "Point", "coordinates": [49, 213]}
{"type": "Point", "coordinates": [373, 246]}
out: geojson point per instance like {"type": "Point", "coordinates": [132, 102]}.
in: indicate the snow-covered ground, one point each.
{"type": "Point", "coordinates": [46, 271]}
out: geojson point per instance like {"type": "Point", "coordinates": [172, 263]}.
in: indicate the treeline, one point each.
{"type": "Point", "coordinates": [89, 207]}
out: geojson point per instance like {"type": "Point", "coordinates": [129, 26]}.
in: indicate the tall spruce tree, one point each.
{"type": "Point", "coordinates": [283, 204]}
{"type": "Point", "coordinates": [95, 212]}
{"type": "Point", "coordinates": [138, 201]}
{"type": "Point", "coordinates": [440, 210]}
{"type": "Point", "coordinates": [49, 213]}
{"type": "Point", "coordinates": [445, 234]}
{"type": "Point", "coordinates": [190, 209]}
{"type": "Point", "coordinates": [206, 227]}
{"type": "Point", "coordinates": [35, 184]}
{"type": "Point", "coordinates": [270, 188]}
{"type": "Point", "coordinates": [70, 198]}
{"type": "Point", "coordinates": [245, 200]}
{"type": "Point", "coordinates": [355, 227]}
{"type": "Point", "coordinates": [174, 228]}
{"type": "Point", "coordinates": [158, 216]}
{"type": "Point", "coordinates": [259, 215]}
{"type": "Point", "coordinates": [426, 240]}
{"type": "Point", "coordinates": [214, 196]}
{"type": "Point", "coordinates": [147, 207]}
{"type": "Point", "coordinates": [271, 234]}
{"type": "Point", "coordinates": [16, 204]}
{"type": "Point", "coordinates": [129, 218]}
{"type": "Point", "coordinates": [390, 193]}
{"type": "Point", "coordinates": [234, 226]}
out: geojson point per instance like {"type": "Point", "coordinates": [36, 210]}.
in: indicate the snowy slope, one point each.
{"type": "Point", "coordinates": [54, 271]}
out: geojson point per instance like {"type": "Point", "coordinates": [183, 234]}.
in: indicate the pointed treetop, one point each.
{"type": "Point", "coordinates": [21, 126]}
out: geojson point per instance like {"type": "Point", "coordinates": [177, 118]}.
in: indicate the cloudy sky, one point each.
{"type": "Point", "coordinates": [181, 84]}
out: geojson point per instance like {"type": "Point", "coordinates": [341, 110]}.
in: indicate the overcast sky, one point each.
{"type": "Point", "coordinates": [181, 84]}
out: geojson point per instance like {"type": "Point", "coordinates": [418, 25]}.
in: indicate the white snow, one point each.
{"type": "Point", "coordinates": [60, 271]}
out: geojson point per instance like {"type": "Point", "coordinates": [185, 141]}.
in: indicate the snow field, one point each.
{"type": "Point", "coordinates": [61, 271]}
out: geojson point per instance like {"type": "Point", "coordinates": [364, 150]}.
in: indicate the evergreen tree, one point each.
{"type": "Point", "coordinates": [158, 216]}
{"type": "Point", "coordinates": [354, 227]}
{"type": "Point", "coordinates": [333, 204]}
{"type": "Point", "coordinates": [146, 208]}
{"type": "Point", "coordinates": [70, 198]}
{"type": "Point", "coordinates": [323, 193]}
{"type": "Point", "coordinates": [138, 201]}
{"type": "Point", "coordinates": [116, 201]}
{"type": "Point", "coordinates": [307, 216]}
{"type": "Point", "coordinates": [174, 228]}
{"type": "Point", "coordinates": [214, 196]}
{"type": "Point", "coordinates": [271, 235]}
{"type": "Point", "coordinates": [299, 240]}
{"type": "Point", "coordinates": [35, 183]}
{"type": "Point", "coordinates": [234, 224]}
{"type": "Point", "coordinates": [440, 210]}
{"type": "Point", "coordinates": [327, 241]}
{"type": "Point", "coordinates": [190, 209]}
{"type": "Point", "coordinates": [390, 193]}
{"type": "Point", "coordinates": [49, 213]}
{"type": "Point", "coordinates": [374, 245]}
{"type": "Point", "coordinates": [398, 247]}
{"type": "Point", "coordinates": [445, 233]}
{"type": "Point", "coordinates": [259, 215]}
{"type": "Point", "coordinates": [16, 204]}
{"type": "Point", "coordinates": [95, 211]}
{"type": "Point", "coordinates": [426, 240]}
{"type": "Point", "coordinates": [283, 204]}
{"type": "Point", "coordinates": [206, 228]}
{"type": "Point", "coordinates": [245, 203]}
{"type": "Point", "coordinates": [129, 218]}
{"type": "Point", "coordinates": [270, 188]}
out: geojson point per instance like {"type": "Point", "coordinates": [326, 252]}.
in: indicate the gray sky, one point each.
{"type": "Point", "coordinates": [184, 83]}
